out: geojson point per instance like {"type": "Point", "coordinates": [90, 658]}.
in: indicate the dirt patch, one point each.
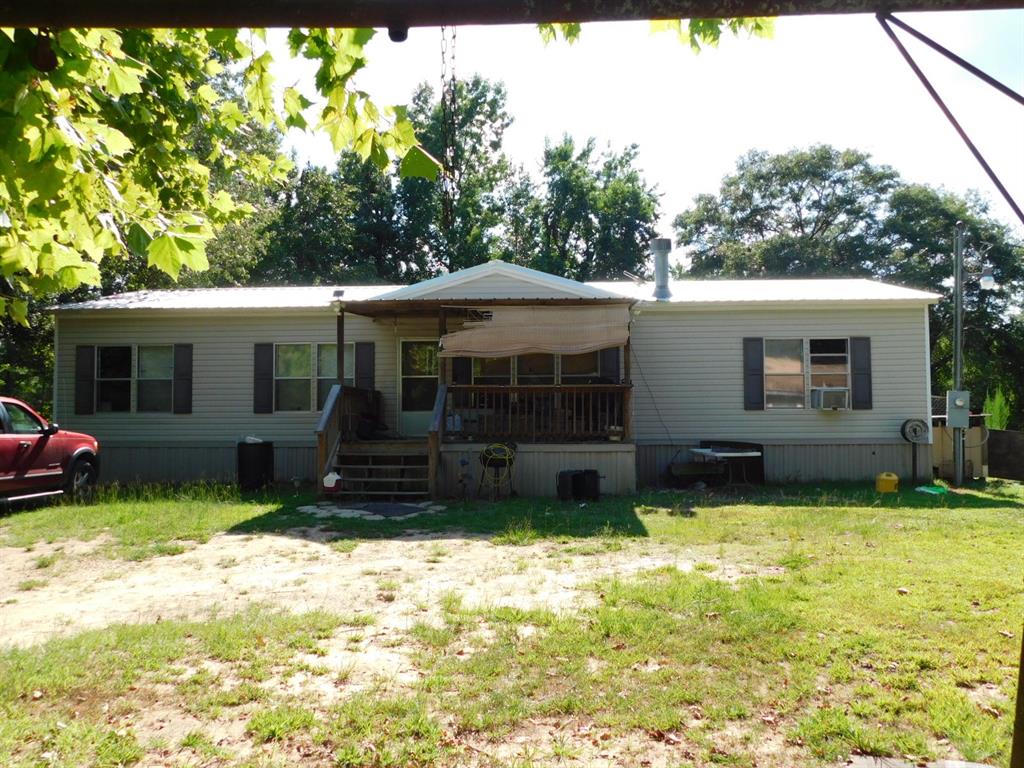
{"type": "Point", "coordinates": [398, 580]}
{"type": "Point", "coordinates": [553, 742]}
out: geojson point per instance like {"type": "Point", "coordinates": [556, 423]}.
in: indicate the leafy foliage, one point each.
{"type": "Point", "coordinates": [997, 408]}
{"type": "Point", "coordinates": [100, 132]}
{"type": "Point", "coordinates": [812, 211]}
{"type": "Point", "coordinates": [700, 33]}
{"type": "Point", "coordinates": [99, 156]}
{"type": "Point", "coordinates": [597, 213]}
{"type": "Point", "coordinates": [827, 212]}
{"type": "Point", "coordinates": [480, 168]}
{"type": "Point", "coordinates": [309, 236]}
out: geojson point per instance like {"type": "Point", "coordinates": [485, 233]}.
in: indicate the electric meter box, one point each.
{"type": "Point", "coordinates": [958, 409]}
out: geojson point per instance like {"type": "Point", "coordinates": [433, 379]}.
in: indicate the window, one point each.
{"type": "Point", "coordinates": [830, 362]}
{"type": "Point", "coordinates": [293, 377]}
{"type": "Point", "coordinates": [784, 373]}
{"type": "Point", "coordinates": [535, 369]}
{"type": "Point", "coordinates": [492, 370]}
{"type": "Point", "coordinates": [327, 370]}
{"type": "Point", "coordinates": [581, 369]}
{"type": "Point", "coordinates": [23, 422]}
{"type": "Point", "coordinates": [155, 379]}
{"type": "Point", "coordinates": [113, 379]}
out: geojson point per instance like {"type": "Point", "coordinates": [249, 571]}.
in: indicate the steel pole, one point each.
{"type": "Point", "coordinates": [958, 346]}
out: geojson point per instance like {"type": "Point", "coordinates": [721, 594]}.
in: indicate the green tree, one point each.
{"type": "Point", "coordinates": [94, 156]}
{"type": "Point", "coordinates": [808, 211]}
{"type": "Point", "coordinates": [916, 235]}
{"type": "Point", "coordinates": [237, 246]}
{"type": "Point", "coordinates": [519, 235]}
{"type": "Point", "coordinates": [375, 253]}
{"type": "Point", "coordinates": [597, 212]}
{"type": "Point", "coordinates": [311, 234]}
{"type": "Point", "coordinates": [97, 153]}
{"type": "Point", "coordinates": [479, 169]}
{"type": "Point", "coordinates": [26, 360]}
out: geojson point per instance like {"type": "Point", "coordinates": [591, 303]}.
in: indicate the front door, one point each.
{"type": "Point", "coordinates": [417, 386]}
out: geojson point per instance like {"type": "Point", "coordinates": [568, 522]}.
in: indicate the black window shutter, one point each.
{"type": "Point", "coordinates": [753, 374]}
{"type": "Point", "coordinates": [85, 380]}
{"type": "Point", "coordinates": [263, 378]}
{"type": "Point", "coordinates": [860, 373]}
{"type": "Point", "coordinates": [608, 365]}
{"type": "Point", "coordinates": [183, 378]}
{"type": "Point", "coordinates": [365, 364]}
{"type": "Point", "coordinates": [462, 370]}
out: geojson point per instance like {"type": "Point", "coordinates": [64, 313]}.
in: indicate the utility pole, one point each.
{"type": "Point", "coordinates": [958, 347]}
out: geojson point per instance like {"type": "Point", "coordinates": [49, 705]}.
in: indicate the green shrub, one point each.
{"type": "Point", "coordinates": [998, 410]}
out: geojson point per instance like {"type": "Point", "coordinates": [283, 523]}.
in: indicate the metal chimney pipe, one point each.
{"type": "Point", "coordinates": [660, 247]}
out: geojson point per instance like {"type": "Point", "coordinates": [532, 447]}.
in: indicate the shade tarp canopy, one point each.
{"type": "Point", "coordinates": [510, 331]}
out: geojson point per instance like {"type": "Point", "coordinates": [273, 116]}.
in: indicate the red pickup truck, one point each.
{"type": "Point", "coordinates": [40, 459]}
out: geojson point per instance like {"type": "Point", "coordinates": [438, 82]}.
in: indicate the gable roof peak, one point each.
{"type": "Point", "coordinates": [443, 283]}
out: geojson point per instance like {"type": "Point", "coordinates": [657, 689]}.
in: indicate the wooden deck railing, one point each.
{"type": "Point", "coordinates": [346, 412]}
{"type": "Point", "coordinates": [565, 413]}
{"type": "Point", "coordinates": [435, 436]}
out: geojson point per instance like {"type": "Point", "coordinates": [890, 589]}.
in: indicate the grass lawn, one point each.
{"type": "Point", "coordinates": [880, 625]}
{"type": "Point", "coordinates": [145, 521]}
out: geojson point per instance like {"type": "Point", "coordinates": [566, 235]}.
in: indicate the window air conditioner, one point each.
{"type": "Point", "coordinates": [830, 398]}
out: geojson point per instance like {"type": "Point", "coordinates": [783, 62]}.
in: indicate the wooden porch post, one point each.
{"type": "Point", "coordinates": [442, 329]}
{"type": "Point", "coordinates": [340, 352]}
{"type": "Point", "coordinates": [627, 394]}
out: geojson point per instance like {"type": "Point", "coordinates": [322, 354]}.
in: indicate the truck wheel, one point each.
{"type": "Point", "coordinates": [81, 479]}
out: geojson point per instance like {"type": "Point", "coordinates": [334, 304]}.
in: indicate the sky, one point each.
{"type": "Point", "coordinates": [825, 79]}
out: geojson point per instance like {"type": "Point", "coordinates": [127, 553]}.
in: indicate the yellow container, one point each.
{"type": "Point", "coordinates": [886, 482]}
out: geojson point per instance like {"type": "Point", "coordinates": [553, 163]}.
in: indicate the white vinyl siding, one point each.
{"type": "Point", "coordinates": [222, 377]}
{"type": "Point", "coordinates": [687, 370]}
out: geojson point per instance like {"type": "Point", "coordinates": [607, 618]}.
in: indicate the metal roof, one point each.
{"type": "Point", "coordinates": [780, 290]}
{"type": "Point", "coordinates": [684, 292]}
{"type": "Point", "coordinates": [282, 297]}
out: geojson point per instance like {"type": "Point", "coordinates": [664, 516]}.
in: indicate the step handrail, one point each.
{"type": "Point", "coordinates": [328, 433]}
{"type": "Point", "coordinates": [435, 435]}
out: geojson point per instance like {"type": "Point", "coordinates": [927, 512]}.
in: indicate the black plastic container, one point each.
{"type": "Point", "coordinates": [579, 485]}
{"type": "Point", "coordinates": [255, 465]}
{"type": "Point", "coordinates": [587, 485]}
{"type": "Point", "coordinates": [565, 484]}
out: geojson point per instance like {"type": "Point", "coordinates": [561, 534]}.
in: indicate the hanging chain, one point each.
{"type": "Point", "coordinates": [449, 155]}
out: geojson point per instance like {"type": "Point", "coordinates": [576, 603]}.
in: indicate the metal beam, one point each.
{"type": "Point", "coordinates": [400, 14]}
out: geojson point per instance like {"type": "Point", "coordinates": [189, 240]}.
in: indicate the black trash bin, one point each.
{"type": "Point", "coordinates": [255, 465]}
{"type": "Point", "coordinates": [587, 485]}
{"type": "Point", "coordinates": [579, 485]}
{"type": "Point", "coordinates": [565, 483]}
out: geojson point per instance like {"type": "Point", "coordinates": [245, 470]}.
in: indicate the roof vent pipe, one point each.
{"type": "Point", "coordinates": [660, 247]}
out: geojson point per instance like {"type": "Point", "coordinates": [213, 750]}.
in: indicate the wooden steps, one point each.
{"type": "Point", "coordinates": [383, 469]}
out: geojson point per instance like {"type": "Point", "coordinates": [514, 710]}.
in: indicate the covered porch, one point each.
{"type": "Point", "coordinates": [550, 375]}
